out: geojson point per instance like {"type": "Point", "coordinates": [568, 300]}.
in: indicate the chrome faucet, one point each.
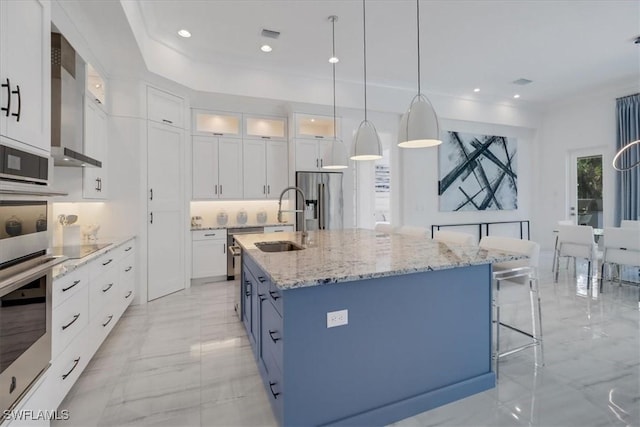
{"type": "Point", "coordinates": [304, 223]}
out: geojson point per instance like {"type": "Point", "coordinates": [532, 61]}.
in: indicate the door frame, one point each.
{"type": "Point", "coordinates": [608, 186]}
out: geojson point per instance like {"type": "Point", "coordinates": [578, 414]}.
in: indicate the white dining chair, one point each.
{"type": "Point", "coordinates": [628, 223]}
{"type": "Point", "coordinates": [555, 246]}
{"type": "Point", "coordinates": [383, 227]}
{"type": "Point", "coordinates": [455, 237]}
{"type": "Point", "coordinates": [409, 230]}
{"type": "Point", "coordinates": [621, 247]}
{"type": "Point", "coordinates": [519, 271]}
{"type": "Point", "coordinates": [576, 241]}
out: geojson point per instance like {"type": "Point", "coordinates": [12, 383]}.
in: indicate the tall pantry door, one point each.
{"type": "Point", "coordinates": [166, 213]}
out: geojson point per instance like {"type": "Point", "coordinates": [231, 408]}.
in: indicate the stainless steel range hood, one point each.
{"type": "Point", "coordinates": [67, 101]}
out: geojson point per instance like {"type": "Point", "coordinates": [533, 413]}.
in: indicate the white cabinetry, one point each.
{"type": "Point", "coordinates": [94, 180]}
{"type": "Point", "coordinates": [217, 168]}
{"type": "Point", "coordinates": [309, 154]}
{"type": "Point", "coordinates": [265, 127]}
{"type": "Point", "coordinates": [278, 228]}
{"type": "Point", "coordinates": [265, 168]}
{"type": "Point", "coordinates": [25, 72]}
{"type": "Point", "coordinates": [216, 123]}
{"type": "Point", "coordinates": [209, 253]}
{"type": "Point", "coordinates": [313, 134]}
{"type": "Point", "coordinates": [166, 108]}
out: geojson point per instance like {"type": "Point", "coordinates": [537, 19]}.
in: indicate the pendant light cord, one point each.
{"type": "Point", "coordinates": [418, 31]}
{"type": "Point", "coordinates": [333, 51]}
{"type": "Point", "coordinates": [364, 33]}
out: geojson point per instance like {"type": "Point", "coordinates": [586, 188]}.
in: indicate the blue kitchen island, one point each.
{"type": "Point", "coordinates": [414, 320]}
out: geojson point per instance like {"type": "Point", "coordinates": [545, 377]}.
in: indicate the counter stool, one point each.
{"type": "Point", "coordinates": [518, 271]}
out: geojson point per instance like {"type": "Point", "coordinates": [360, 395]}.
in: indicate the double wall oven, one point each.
{"type": "Point", "coordinates": [26, 269]}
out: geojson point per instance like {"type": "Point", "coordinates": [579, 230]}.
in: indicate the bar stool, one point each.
{"type": "Point", "coordinates": [577, 241]}
{"type": "Point", "coordinates": [519, 271]}
{"type": "Point", "coordinates": [383, 227]}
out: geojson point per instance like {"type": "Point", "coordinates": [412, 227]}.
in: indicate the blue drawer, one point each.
{"type": "Point", "coordinates": [272, 333]}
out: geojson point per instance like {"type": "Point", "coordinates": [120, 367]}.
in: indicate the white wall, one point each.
{"type": "Point", "coordinates": [577, 125]}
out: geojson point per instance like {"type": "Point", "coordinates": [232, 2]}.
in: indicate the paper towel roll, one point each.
{"type": "Point", "coordinates": [71, 235]}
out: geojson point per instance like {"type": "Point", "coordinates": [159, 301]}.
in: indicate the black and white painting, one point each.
{"type": "Point", "coordinates": [477, 172]}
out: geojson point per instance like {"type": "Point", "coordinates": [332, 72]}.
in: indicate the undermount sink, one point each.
{"type": "Point", "coordinates": [281, 246]}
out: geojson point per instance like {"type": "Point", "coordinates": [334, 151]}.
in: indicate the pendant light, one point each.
{"type": "Point", "coordinates": [419, 126]}
{"type": "Point", "coordinates": [366, 143]}
{"type": "Point", "coordinates": [626, 148]}
{"type": "Point", "coordinates": [336, 153]}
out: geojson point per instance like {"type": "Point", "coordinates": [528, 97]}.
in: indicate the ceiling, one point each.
{"type": "Point", "coordinates": [566, 47]}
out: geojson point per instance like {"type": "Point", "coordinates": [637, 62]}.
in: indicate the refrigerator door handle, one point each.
{"type": "Point", "coordinates": [321, 206]}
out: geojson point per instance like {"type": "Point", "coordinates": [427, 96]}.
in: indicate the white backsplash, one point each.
{"type": "Point", "coordinates": [89, 213]}
{"type": "Point", "coordinates": [209, 211]}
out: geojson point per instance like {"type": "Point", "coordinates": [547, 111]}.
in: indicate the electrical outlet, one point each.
{"type": "Point", "coordinates": [337, 318]}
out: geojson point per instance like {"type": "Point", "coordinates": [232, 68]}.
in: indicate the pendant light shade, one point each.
{"type": "Point", "coordinates": [419, 127]}
{"type": "Point", "coordinates": [335, 154]}
{"type": "Point", "coordinates": [366, 143]}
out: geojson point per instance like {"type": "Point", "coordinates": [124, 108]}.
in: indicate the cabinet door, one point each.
{"type": "Point", "coordinates": [25, 63]}
{"type": "Point", "coordinates": [94, 183]}
{"type": "Point", "coordinates": [204, 167]}
{"type": "Point", "coordinates": [277, 168]}
{"type": "Point", "coordinates": [163, 107]}
{"type": "Point", "coordinates": [166, 211]}
{"type": "Point", "coordinates": [229, 168]}
{"type": "Point", "coordinates": [209, 258]}
{"type": "Point", "coordinates": [255, 170]}
{"type": "Point", "coordinates": [307, 158]}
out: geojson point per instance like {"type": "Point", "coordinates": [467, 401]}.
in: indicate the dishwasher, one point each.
{"type": "Point", "coordinates": [234, 260]}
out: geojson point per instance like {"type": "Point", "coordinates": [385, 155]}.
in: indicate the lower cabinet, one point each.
{"type": "Point", "coordinates": [208, 253]}
{"type": "Point", "coordinates": [86, 304]}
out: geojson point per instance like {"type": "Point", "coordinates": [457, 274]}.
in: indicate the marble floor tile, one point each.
{"type": "Point", "coordinates": [185, 360]}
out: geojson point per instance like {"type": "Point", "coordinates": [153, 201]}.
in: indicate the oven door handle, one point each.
{"type": "Point", "coordinates": [22, 277]}
{"type": "Point", "coordinates": [235, 250]}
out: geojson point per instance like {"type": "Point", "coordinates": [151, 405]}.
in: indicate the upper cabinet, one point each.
{"type": "Point", "coordinates": [315, 126]}
{"type": "Point", "coordinates": [165, 108]}
{"type": "Point", "coordinates": [25, 72]}
{"type": "Point", "coordinates": [216, 168]}
{"type": "Point", "coordinates": [94, 184]}
{"type": "Point", "coordinates": [214, 123]}
{"type": "Point", "coordinates": [95, 86]}
{"type": "Point", "coordinates": [265, 127]}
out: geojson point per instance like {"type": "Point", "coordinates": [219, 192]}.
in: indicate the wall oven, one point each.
{"type": "Point", "coordinates": [25, 297]}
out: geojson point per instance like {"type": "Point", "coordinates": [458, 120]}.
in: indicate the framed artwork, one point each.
{"type": "Point", "coordinates": [477, 172]}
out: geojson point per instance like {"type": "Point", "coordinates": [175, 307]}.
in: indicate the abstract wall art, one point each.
{"type": "Point", "coordinates": [477, 172]}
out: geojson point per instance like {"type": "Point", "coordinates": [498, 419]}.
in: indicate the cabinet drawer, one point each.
{"type": "Point", "coordinates": [67, 286]}
{"type": "Point", "coordinates": [278, 228]}
{"type": "Point", "coordinates": [272, 334]}
{"type": "Point", "coordinates": [66, 369]}
{"type": "Point", "coordinates": [103, 291]}
{"type": "Point", "coordinates": [209, 234]}
{"type": "Point", "coordinates": [275, 386]}
{"type": "Point", "coordinates": [101, 324]}
{"type": "Point", "coordinates": [275, 296]}
{"type": "Point", "coordinates": [103, 263]}
{"type": "Point", "coordinates": [127, 248]}
{"type": "Point", "coordinates": [127, 280]}
{"type": "Point", "coordinates": [69, 319]}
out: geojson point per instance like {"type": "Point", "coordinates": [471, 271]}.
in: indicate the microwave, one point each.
{"type": "Point", "coordinates": [21, 166]}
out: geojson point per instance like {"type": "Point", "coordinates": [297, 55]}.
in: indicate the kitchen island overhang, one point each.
{"type": "Point", "coordinates": [418, 334]}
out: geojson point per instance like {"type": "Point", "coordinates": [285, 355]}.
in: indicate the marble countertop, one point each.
{"type": "Point", "coordinates": [333, 256]}
{"type": "Point", "coordinates": [71, 264]}
{"type": "Point", "coordinates": [224, 227]}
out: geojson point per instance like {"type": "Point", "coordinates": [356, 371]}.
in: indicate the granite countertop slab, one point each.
{"type": "Point", "coordinates": [333, 256]}
{"type": "Point", "coordinates": [70, 265]}
{"type": "Point", "coordinates": [223, 227]}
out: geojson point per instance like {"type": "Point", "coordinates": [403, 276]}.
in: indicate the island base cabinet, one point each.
{"type": "Point", "coordinates": [412, 342]}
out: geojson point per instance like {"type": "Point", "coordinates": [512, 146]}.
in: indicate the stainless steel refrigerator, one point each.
{"type": "Point", "coordinates": [323, 207]}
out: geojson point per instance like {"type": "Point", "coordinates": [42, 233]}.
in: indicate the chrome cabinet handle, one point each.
{"type": "Point", "coordinates": [268, 189]}
{"type": "Point", "coordinates": [108, 321]}
{"type": "Point", "coordinates": [264, 189]}
{"type": "Point", "coordinates": [75, 317]}
{"type": "Point", "coordinates": [8, 107]}
{"type": "Point", "coordinates": [216, 188]}
{"type": "Point", "coordinates": [17, 92]}
{"type": "Point", "coordinates": [108, 287]}
{"type": "Point", "coordinates": [221, 189]}
{"type": "Point", "coordinates": [75, 363]}
{"type": "Point", "coordinates": [69, 287]}
{"type": "Point", "coordinates": [128, 295]}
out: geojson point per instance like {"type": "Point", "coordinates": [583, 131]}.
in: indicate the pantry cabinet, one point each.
{"type": "Point", "coordinates": [25, 72]}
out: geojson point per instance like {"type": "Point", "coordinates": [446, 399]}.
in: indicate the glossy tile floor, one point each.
{"type": "Point", "coordinates": [184, 360]}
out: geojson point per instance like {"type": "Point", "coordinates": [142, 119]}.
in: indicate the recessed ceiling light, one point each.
{"type": "Point", "coordinates": [334, 60]}
{"type": "Point", "coordinates": [477, 89]}
{"type": "Point", "coordinates": [516, 96]}
{"type": "Point", "coordinates": [266, 48]}
{"type": "Point", "coordinates": [66, 159]}
{"type": "Point", "coordinates": [184, 33]}
{"type": "Point", "coordinates": [98, 86]}
{"type": "Point", "coordinates": [313, 120]}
